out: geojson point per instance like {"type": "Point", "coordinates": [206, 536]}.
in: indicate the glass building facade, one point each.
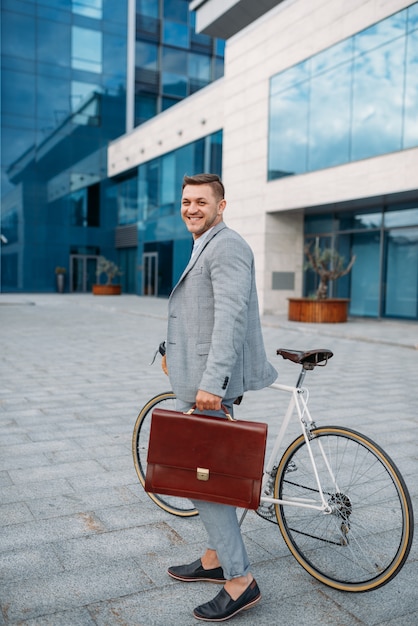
{"type": "Point", "coordinates": [148, 202]}
{"type": "Point", "coordinates": [64, 97]}
{"type": "Point", "coordinates": [172, 61]}
{"type": "Point", "coordinates": [355, 100]}
{"type": "Point", "coordinates": [384, 239]}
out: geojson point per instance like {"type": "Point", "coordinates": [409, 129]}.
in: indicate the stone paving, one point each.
{"type": "Point", "coordinates": [81, 544]}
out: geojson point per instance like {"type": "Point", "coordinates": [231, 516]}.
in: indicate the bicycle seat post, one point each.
{"type": "Point", "coordinates": [305, 368]}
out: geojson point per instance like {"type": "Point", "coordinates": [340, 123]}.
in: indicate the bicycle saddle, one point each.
{"type": "Point", "coordinates": [308, 359]}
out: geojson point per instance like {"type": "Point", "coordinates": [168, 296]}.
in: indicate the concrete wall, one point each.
{"type": "Point", "coordinates": [293, 31]}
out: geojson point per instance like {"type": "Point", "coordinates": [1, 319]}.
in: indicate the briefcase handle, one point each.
{"type": "Point", "coordinates": [224, 409]}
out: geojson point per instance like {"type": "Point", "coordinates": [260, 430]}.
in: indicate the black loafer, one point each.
{"type": "Point", "coordinates": [195, 572]}
{"type": "Point", "coordinates": [223, 607]}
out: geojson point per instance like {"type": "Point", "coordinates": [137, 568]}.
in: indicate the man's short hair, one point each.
{"type": "Point", "coordinates": [207, 179]}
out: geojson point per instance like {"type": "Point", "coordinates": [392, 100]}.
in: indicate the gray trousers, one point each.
{"type": "Point", "coordinates": [221, 522]}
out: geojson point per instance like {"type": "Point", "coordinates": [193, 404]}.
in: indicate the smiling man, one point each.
{"type": "Point", "coordinates": [215, 352]}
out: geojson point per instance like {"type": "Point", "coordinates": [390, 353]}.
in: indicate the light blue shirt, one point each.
{"type": "Point", "coordinates": [198, 243]}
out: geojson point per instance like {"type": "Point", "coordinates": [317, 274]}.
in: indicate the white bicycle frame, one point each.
{"type": "Point", "coordinates": [299, 401]}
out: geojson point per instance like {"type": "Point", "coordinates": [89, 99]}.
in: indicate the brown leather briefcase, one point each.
{"type": "Point", "coordinates": [206, 458]}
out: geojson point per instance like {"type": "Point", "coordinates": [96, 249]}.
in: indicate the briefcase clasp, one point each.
{"type": "Point", "coordinates": [202, 473]}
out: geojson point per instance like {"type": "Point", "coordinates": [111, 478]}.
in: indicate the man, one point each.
{"type": "Point", "coordinates": [215, 352]}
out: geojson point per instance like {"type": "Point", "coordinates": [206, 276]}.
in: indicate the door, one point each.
{"type": "Point", "coordinates": [82, 272]}
{"type": "Point", "coordinates": [150, 274]}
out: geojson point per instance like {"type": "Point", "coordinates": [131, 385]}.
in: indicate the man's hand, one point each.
{"type": "Point", "coordinates": [164, 365]}
{"type": "Point", "coordinates": [206, 401]}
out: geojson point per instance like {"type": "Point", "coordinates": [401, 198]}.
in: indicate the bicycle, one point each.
{"type": "Point", "coordinates": [340, 502]}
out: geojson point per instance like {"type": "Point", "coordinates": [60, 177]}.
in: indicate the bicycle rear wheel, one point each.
{"type": "Point", "coordinates": [140, 439]}
{"type": "Point", "coordinates": [364, 542]}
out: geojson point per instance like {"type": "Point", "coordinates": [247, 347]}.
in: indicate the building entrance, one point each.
{"type": "Point", "coordinates": [82, 272]}
{"type": "Point", "coordinates": [150, 274]}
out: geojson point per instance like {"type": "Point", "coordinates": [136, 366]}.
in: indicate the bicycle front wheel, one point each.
{"type": "Point", "coordinates": [364, 538]}
{"type": "Point", "coordinates": [140, 440]}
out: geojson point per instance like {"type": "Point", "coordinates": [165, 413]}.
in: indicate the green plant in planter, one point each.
{"type": "Point", "coordinates": [104, 266]}
{"type": "Point", "coordinates": [328, 264]}
{"type": "Point", "coordinates": [60, 270]}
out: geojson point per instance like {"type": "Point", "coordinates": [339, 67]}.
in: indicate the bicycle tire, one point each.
{"type": "Point", "coordinates": [365, 541]}
{"type": "Point", "coordinates": [181, 507]}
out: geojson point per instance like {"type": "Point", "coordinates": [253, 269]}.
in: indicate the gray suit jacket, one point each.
{"type": "Point", "coordinates": [214, 338]}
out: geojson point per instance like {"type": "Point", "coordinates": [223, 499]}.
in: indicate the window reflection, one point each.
{"type": "Point", "coordinates": [352, 101]}
{"type": "Point", "coordinates": [146, 55]}
{"type": "Point", "coordinates": [360, 220]}
{"type": "Point", "coordinates": [412, 18]}
{"type": "Point", "coordinates": [402, 273]}
{"type": "Point", "coordinates": [288, 131]}
{"type": "Point", "coordinates": [174, 84]}
{"type": "Point", "coordinates": [159, 180]}
{"type": "Point", "coordinates": [23, 46]}
{"type": "Point", "coordinates": [378, 79]}
{"type": "Point", "coordinates": [382, 32]}
{"type": "Point", "coordinates": [405, 217]}
{"type": "Point", "coordinates": [384, 278]}
{"type": "Point", "coordinates": [127, 200]}
{"type": "Point", "coordinates": [81, 92]}
{"type": "Point", "coordinates": [86, 52]}
{"type": "Point", "coordinates": [411, 90]}
{"type": "Point", "coordinates": [177, 10]}
{"type": "Point", "coordinates": [329, 123]}
{"type": "Point", "coordinates": [89, 8]}
{"type": "Point", "coordinates": [176, 34]}
{"type": "Point", "coordinates": [147, 7]}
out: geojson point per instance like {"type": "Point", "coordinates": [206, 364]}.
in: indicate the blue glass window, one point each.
{"type": "Point", "coordinates": [353, 101]}
{"type": "Point", "coordinates": [175, 84]}
{"type": "Point", "coordinates": [18, 93]}
{"type": "Point", "coordinates": [23, 46]}
{"type": "Point", "coordinates": [177, 10]}
{"type": "Point", "coordinates": [379, 34]}
{"type": "Point", "coordinates": [52, 101]}
{"type": "Point", "coordinates": [127, 199]}
{"type": "Point", "coordinates": [378, 79]}
{"type": "Point", "coordinates": [199, 71]}
{"type": "Point", "coordinates": [114, 50]}
{"type": "Point", "coordinates": [174, 61]}
{"type": "Point", "coordinates": [174, 77]}
{"type": "Point", "coordinates": [159, 182]}
{"type": "Point", "coordinates": [147, 7]}
{"type": "Point", "coordinates": [411, 90]}
{"type": "Point", "coordinates": [86, 52]}
{"type": "Point", "coordinates": [54, 43]}
{"type": "Point", "coordinates": [146, 55]}
{"type": "Point", "coordinates": [89, 8]}
{"type": "Point", "coordinates": [145, 107]}
{"type": "Point", "coordinates": [176, 34]}
{"type": "Point", "coordinates": [401, 216]}
{"type": "Point", "coordinates": [401, 295]}
{"type": "Point", "coordinates": [166, 102]}
{"type": "Point", "coordinates": [81, 92]}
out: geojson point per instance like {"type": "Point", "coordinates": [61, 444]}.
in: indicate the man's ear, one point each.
{"type": "Point", "coordinates": [221, 206]}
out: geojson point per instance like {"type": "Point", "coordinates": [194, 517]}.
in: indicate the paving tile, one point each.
{"type": "Point", "coordinates": [58, 592]}
{"type": "Point", "coordinates": [82, 544]}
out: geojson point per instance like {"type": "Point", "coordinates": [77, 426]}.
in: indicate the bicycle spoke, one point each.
{"type": "Point", "coordinates": [140, 439]}
{"type": "Point", "coordinates": [364, 541]}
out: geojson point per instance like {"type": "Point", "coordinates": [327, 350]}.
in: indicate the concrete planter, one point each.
{"type": "Point", "coordinates": [107, 290]}
{"type": "Point", "coordinates": [329, 311]}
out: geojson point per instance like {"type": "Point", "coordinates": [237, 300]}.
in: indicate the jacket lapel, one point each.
{"type": "Point", "coordinates": [193, 260]}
